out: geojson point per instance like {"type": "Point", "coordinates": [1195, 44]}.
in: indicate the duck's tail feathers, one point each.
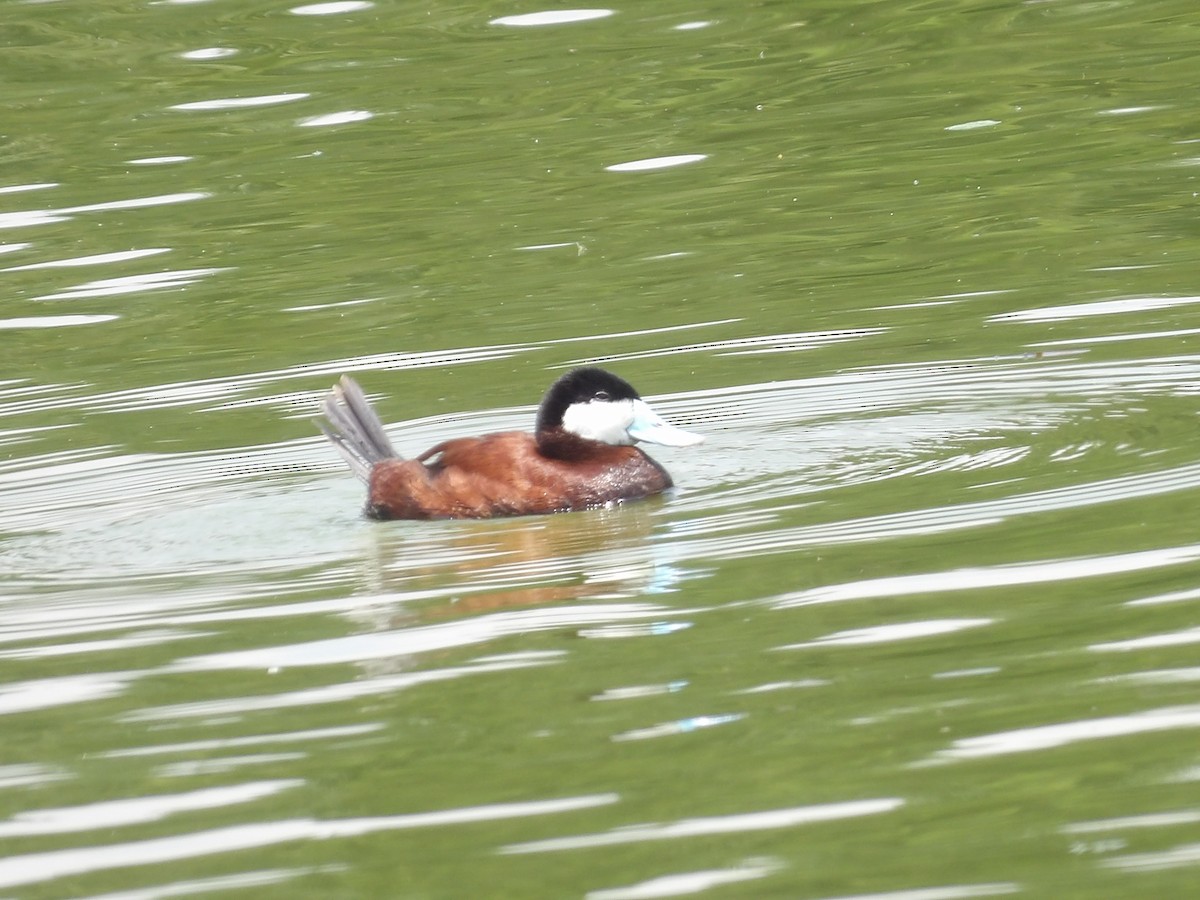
{"type": "Point", "coordinates": [354, 429]}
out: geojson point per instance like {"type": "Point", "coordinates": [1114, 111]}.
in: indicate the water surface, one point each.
{"type": "Point", "coordinates": [919, 620]}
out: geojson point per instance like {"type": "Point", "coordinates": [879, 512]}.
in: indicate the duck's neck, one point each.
{"type": "Point", "coordinates": [558, 443]}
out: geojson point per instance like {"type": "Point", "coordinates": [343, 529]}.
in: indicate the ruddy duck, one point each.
{"type": "Point", "coordinates": [581, 455]}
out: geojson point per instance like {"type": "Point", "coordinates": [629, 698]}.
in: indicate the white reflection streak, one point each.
{"type": "Point", "coordinates": [209, 53]}
{"type": "Point", "coordinates": [680, 726]}
{"type": "Point", "coordinates": [129, 284]}
{"type": "Point", "coordinates": [240, 102]}
{"type": "Point", "coordinates": [783, 686]}
{"type": "Point", "coordinates": [658, 162]}
{"type": "Point", "coordinates": [622, 632]}
{"type": "Point", "coordinates": [1155, 676]}
{"type": "Point", "coordinates": [114, 613]}
{"type": "Point", "coordinates": [949, 892]}
{"type": "Point", "coordinates": [215, 389]}
{"type": "Point", "coordinates": [686, 882]}
{"type": "Point", "coordinates": [1099, 308]}
{"type": "Point", "coordinates": [222, 765]}
{"type": "Point", "coordinates": [333, 693]}
{"type": "Point", "coordinates": [604, 336]}
{"type": "Point", "coordinates": [883, 634]}
{"type": "Point", "coordinates": [421, 639]}
{"type": "Point", "coordinates": [636, 692]}
{"type": "Point", "coordinates": [33, 868]}
{"type": "Point", "coordinates": [19, 188]}
{"type": "Point", "coordinates": [248, 741]}
{"type": "Point", "coordinates": [937, 520]}
{"type": "Point", "coordinates": [552, 17]}
{"type": "Point", "coordinates": [29, 774]}
{"type": "Point", "coordinates": [330, 9]}
{"type": "Point", "coordinates": [1111, 338]}
{"type": "Point", "coordinates": [138, 202]}
{"type": "Point", "coordinates": [1173, 597]}
{"type": "Point", "coordinates": [24, 696]}
{"type": "Point", "coordinates": [43, 216]}
{"type": "Point", "coordinates": [54, 321]}
{"type": "Point", "coordinates": [140, 639]}
{"type": "Point", "coordinates": [94, 260]}
{"type": "Point", "coordinates": [992, 576]}
{"type": "Point", "coordinates": [1048, 737]}
{"type": "Point", "coordinates": [188, 392]}
{"type": "Point", "coordinates": [338, 118]}
{"type": "Point", "coordinates": [260, 878]}
{"type": "Point", "coordinates": [973, 125]}
{"type": "Point", "coordinates": [771, 343]}
{"type": "Point", "coordinates": [137, 810]}
{"type": "Point", "coordinates": [1183, 855]}
{"type": "Point", "coordinates": [757, 821]}
{"type": "Point", "coordinates": [1154, 641]}
{"type": "Point", "coordinates": [158, 160]}
{"type": "Point", "coordinates": [1152, 820]}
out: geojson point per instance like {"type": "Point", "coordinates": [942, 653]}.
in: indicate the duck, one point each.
{"type": "Point", "coordinates": [581, 455]}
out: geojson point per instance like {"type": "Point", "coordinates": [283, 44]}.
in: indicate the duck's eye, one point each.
{"type": "Point", "coordinates": [601, 395]}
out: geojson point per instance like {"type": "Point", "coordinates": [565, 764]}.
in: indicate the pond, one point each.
{"type": "Point", "coordinates": [919, 620]}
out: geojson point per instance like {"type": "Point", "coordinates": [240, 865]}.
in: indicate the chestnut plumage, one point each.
{"type": "Point", "coordinates": [581, 455]}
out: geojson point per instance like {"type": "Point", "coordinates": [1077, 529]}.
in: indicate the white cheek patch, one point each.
{"type": "Point", "coordinates": [607, 421]}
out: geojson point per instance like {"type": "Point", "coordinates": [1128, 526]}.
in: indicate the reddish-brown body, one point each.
{"type": "Point", "coordinates": [511, 473]}
{"type": "Point", "coordinates": [581, 455]}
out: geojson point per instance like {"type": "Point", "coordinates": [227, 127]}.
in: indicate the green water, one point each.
{"type": "Point", "coordinates": [920, 620]}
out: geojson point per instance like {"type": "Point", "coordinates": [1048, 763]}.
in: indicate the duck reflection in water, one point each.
{"type": "Point", "coordinates": [580, 456]}
{"type": "Point", "coordinates": [482, 566]}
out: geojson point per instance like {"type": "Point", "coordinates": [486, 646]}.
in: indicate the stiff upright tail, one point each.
{"type": "Point", "coordinates": [354, 429]}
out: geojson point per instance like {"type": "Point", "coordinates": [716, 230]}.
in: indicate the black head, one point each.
{"type": "Point", "coordinates": [581, 386]}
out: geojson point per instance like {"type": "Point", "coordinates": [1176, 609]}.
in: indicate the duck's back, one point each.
{"type": "Point", "coordinates": [506, 474]}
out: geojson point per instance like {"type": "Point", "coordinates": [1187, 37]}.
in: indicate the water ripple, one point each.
{"type": "Point", "coordinates": [992, 576]}
{"type": "Point", "coordinates": [679, 726]}
{"type": "Point", "coordinates": [47, 216]}
{"type": "Point", "coordinates": [423, 639]}
{"type": "Point", "coordinates": [552, 17]}
{"type": "Point", "coordinates": [1176, 857]}
{"type": "Point", "coordinates": [731, 824]}
{"type": "Point", "coordinates": [884, 634]}
{"type": "Point", "coordinates": [948, 892]}
{"type": "Point", "coordinates": [137, 810]}
{"type": "Point", "coordinates": [287, 737]}
{"type": "Point", "coordinates": [24, 696]}
{"type": "Point", "coordinates": [1150, 820]}
{"type": "Point", "coordinates": [1095, 308]}
{"type": "Point", "coordinates": [770, 343]}
{"type": "Point", "coordinates": [94, 259]}
{"type": "Point", "coordinates": [333, 693]}
{"type": "Point", "coordinates": [240, 881]}
{"type": "Point", "coordinates": [688, 882]}
{"type": "Point", "coordinates": [131, 284]}
{"type": "Point", "coordinates": [1047, 737]}
{"type": "Point", "coordinates": [224, 103]}
{"type": "Point", "coordinates": [29, 774]}
{"type": "Point", "coordinates": [35, 868]}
